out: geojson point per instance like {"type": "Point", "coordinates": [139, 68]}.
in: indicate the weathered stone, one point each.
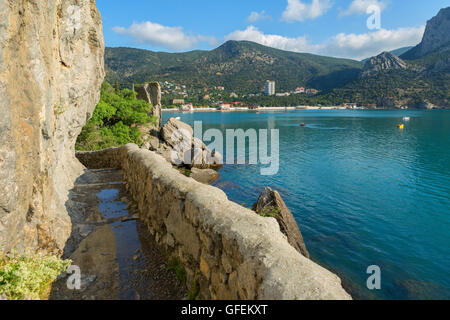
{"type": "Point", "coordinates": [150, 132]}
{"type": "Point", "coordinates": [155, 99]}
{"type": "Point", "coordinates": [271, 204]}
{"type": "Point", "coordinates": [185, 149]}
{"type": "Point", "coordinates": [265, 265]}
{"type": "Point", "coordinates": [226, 264]}
{"type": "Point", "coordinates": [204, 268]}
{"type": "Point", "coordinates": [176, 132]}
{"type": "Point", "coordinates": [184, 233]}
{"type": "Point", "coordinates": [206, 176]}
{"type": "Point", "coordinates": [51, 71]}
{"type": "Point", "coordinates": [170, 240]}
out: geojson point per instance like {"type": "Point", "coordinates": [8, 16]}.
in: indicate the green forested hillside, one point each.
{"type": "Point", "coordinates": [243, 67]}
{"type": "Point", "coordinates": [240, 66]}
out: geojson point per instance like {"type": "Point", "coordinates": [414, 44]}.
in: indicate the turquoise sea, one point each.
{"type": "Point", "coordinates": [362, 191]}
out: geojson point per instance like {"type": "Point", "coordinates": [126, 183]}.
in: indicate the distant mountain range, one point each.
{"type": "Point", "coordinates": [240, 66]}
{"type": "Point", "coordinates": [420, 75]}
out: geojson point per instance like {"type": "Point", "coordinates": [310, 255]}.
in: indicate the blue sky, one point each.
{"type": "Point", "coordinates": [327, 27]}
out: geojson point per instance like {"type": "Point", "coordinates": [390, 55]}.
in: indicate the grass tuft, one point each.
{"type": "Point", "coordinates": [175, 266]}
{"type": "Point", "coordinates": [193, 292]}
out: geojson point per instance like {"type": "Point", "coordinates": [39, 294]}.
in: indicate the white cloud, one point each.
{"type": "Point", "coordinates": [352, 46]}
{"type": "Point", "coordinates": [252, 33]}
{"type": "Point", "coordinates": [296, 10]}
{"type": "Point", "coordinates": [158, 35]}
{"type": "Point", "coordinates": [360, 7]}
{"type": "Point", "coordinates": [256, 16]}
{"type": "Point", "coordinates": [360, 46]}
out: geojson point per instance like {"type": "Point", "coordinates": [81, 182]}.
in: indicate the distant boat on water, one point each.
{"type": "Point", "coordinates": [406, 118]}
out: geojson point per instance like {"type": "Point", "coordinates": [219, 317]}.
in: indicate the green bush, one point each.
{"type": "Point", "coordinates": [115, 120]}
{"type": "Point", "coordinates": [29, 278]}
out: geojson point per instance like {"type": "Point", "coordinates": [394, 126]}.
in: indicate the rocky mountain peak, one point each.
{"type": "Point", "coordinates": [436, 37]}
{"type": "Point", "coordinates": [382, 62]}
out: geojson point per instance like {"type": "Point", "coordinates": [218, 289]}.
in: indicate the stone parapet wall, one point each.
{"type": "Point", "coordinates": [228, 250]}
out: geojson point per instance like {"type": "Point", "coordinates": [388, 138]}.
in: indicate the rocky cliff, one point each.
{"type": "Point", "coordinates": [383, 62]}
{"type": "Point", "coordinates": [436, 37]}
{"type": "Point", "coordinates": [51, 70]}
{"type": "Point", "coordinates": [270, 204]}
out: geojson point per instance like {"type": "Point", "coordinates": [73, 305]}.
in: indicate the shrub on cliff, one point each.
{"type": "Point", "coordinates": [115, 120]}
{"type": "Point", "coordinates": [29, 278]}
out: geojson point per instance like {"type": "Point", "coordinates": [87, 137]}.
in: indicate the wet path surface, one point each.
{"type": "Point", "coordinates": [117, 257]}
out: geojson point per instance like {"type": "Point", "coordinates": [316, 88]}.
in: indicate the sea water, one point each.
{"type": "Point", "coordinates": [363, 192]}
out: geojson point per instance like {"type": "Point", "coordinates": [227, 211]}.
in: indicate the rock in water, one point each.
{"type": "Point", "coordinates": [206, 176]}
{"type": "Point", "coordinates": [51, 71]}
{"type": "Point", "coordinates": [180, 147]}
{"type": "Point", "coordinates": [271, 204]}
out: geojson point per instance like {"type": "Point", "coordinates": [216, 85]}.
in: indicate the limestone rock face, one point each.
{"type": "Point", "coordinates": [436, 36]}
{"type": "Point", "coordinates": [180, 147]}
{"type": "Point", "coordinates": [151, 92]}
{"type": "Point", "coordinates": [271, 204]}
{"type": "Point", "coordinates": [51, 71]}
{"type": "Point", "coordinates": [383, 62]}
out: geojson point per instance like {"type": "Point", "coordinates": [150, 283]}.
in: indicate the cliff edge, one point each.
{"type": "Point", "coordinates": [51, 71]}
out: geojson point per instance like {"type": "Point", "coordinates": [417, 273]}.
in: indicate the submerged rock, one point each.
{"type": "Point", "coordinates": [270, 204]}
{"type": "Point", "coordinates": [206, 176]}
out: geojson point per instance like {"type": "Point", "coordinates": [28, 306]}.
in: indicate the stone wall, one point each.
{"type": "Point", "coordinates": [228, 250]}
{"type": "Point", "coordinates": [51, 71]}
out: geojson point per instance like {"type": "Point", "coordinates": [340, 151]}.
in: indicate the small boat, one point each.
{"type": "Point", "coordinates": [406, 118]}
{"type": "Point", "coordinates": [303, 125]}
{"type": "Point", "coordinates": [401, 126]}
{"type": "Point", "coordinates": [178, 118]}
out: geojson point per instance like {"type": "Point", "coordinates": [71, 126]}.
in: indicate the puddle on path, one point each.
{"type": "Point", "coordinates": [118, 260]}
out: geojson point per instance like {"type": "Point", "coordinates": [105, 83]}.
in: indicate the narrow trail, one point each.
{"type": "Point", "coordinates": [117, 257]}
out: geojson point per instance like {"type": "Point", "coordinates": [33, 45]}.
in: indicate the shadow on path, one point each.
{"type": "Point", "coordinates": [117, 257]}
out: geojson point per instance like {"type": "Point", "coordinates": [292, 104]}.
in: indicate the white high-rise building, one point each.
{"type": "Point", "coordinates": [270, 88]}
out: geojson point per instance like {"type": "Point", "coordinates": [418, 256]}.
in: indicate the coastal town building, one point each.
{"type": "Point", "coordinates": [311, 91]}
{"type": "Point", "coordinates": [234, 95]}
{"type": "Point", "coordinates": [299, 90]}
{"type": "Point", "coordinates": [187, 107]}
{"type": "Point", "coordinates": [224, 107]}
{"type": "Point", "coordinates": [178, 101]}
{"type": "Point", "coordinates": [269, 89]}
